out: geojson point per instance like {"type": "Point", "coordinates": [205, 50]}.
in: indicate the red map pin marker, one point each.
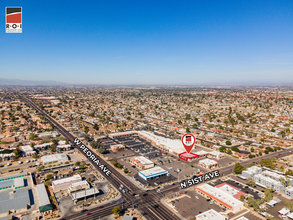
{"type": "Point", "coordinates": [188, 141]}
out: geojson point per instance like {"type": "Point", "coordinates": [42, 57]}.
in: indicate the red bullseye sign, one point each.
{"type": "Point", "coordinates": [188, 141]}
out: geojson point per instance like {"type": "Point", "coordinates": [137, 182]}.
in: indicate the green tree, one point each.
{"type": "Point", "coordinates": [229, 152]}
{"type": "Point", "coordinates": [251, 165]}
{"type": "Point", "coordinates": [238, 168]}
{"type": "Point", "coordinates": [236, 149]}
{"type": "Point", "coordinates": [268, 195]}
{"type": "Point", "coordinates": [35, 156]}
{"type": "Point", "coordinates": [242, 197]}
{"type": "Point", "coordinates": [289, 205]}
{"type": "Point", "coordinates": [17, 152]}
{"type": "Point", "coordinates": [187, 130]}
{"type": "Point", "coordinates": [251, 182]}
{"type": "Point", "coordinates": [116, 210]}
{"type": "Point", "coordinates": [252, 149]}
{"type": "Point", "coordinates": [289, 172]}
{"type": "Point", "coordinates": [77, 163]}
{"type": "Point", "coordinates": [228, 142]}
{"type": "Point", "coordinates": [49, 176]}
{"type": "Point", "coordinates": [268, 163]}
{"type": "Point", "coordinates": [96, 127]}
{"type": "Point", "coordinates": [222, 149]}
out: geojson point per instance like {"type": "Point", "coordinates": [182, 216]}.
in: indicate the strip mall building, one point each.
{"type": "Point", "coordinates": [221, 197]}
{"type": "Point", "coordinates": [173, 146]}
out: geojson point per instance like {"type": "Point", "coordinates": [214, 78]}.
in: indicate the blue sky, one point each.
{"type": "Point", "coordinates": [150, 42]}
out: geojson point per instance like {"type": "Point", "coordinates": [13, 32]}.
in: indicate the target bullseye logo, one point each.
{"type": "Point", "coordinates": [188, 141]}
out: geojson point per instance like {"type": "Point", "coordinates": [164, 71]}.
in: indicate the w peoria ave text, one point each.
{"type": "Point", "coordinates": [199, 179]}
{"type": "Point", "coordinates": [91, 156]}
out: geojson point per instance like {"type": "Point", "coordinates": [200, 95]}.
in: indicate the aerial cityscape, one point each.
{"type": "Point", "coordinates": [155, 110]}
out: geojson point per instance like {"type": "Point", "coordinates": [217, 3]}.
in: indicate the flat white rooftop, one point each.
{"type": "Point", "coordinates": [143, 160]}
{"type": "Point", "coordinates": [80, 183]}
{"type": "Point", "coordinates": [66, 180]}
{"type": "Point", "coordinates": [208, 162]}
{"type": "Point", "coordinates": [210, 215]}
{"type": "Point", "coordinates": [220, 195]}
{"type": "Point", "coordinates": [43, 194]}
{"type": "Point", "coordinates": [228, 189]}
{"type": "Point", "coordinates": [26, 148]}
{"type": "Point", "coordinates": [84, 193]}
{"type": "Point", "coordinates": [242, 218]}
{"type": "Point", "coordinates": [53, 157]}
{"type": "Point", "coordinates": [153, 172]}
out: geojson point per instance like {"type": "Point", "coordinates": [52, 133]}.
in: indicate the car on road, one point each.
{"type": "Point", "coordinates": [196, 197]}
{"type": "Point", "coordinates": [88, 213]}
{"type": "Point", "coordinates": [199, 212]}
{"type": "Point", "coordinates": [82, 211]}
{"type": "Point", "coordinates": [208, 200]}
{"type": "Point", "coordinates": [211, 202]}
{"type": "Point", "coordinates": [145, 194]}
{"type": "Point", "coordinates": [101, 207]}
{"type": "Point", "coordinates": [223, 210]}
{"type": "Point", "coordinates": [176, 200]}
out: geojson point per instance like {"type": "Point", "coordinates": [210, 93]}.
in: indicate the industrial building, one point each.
{"type": "Point", "coordinates": [153, 173]}
{"type": "Point", "coordinates": [14, 176]}
{"type": "Point", "coordinates": [66, 182]}
{"type": "Point", "coordinates": [54, 158]}
{"type": "Point", "coordinates": [142, 162]}
{"type": "Point", "coordinates": [45, 204]}
{"type": "Point", "coordinates": [208, 163]}
{"type": "Point", "coordinates": [210, 215]}
{"type": "Point", "coordinates": [251, 171]}
{"type": "Point", "coordinates": [14, 200]}
{"type": "Point", "coordinates": [15, 183]}
{"type": "Point", "coordinates": [221, 197]}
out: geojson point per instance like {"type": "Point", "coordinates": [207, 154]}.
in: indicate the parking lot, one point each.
{"type": "Point", "coordinates": [193, 204]}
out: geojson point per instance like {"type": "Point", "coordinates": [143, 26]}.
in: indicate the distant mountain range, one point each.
{"type": "Point", "coordinates": [18, 82]}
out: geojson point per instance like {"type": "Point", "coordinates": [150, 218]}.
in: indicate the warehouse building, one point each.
{"type": "Point", "coordinates": [16, 183]}
{"type": "Point", "coordinates": [221, 197]}
{"type": "Point", "coordinates": [14, 176]}
{"type": "Point", "coordinates": [210, 215]}
{"type": "Point", "coordinates": [14, 200]}
{"type": "Point", "coordinates": [54, 158]}
{"type": "Point", "coordinates": [153, 173]}
{"type": "Point", "coordinates": [142, 162]}
{"type": "Point", "coordinates": [66, 182]}
{"type": "Point", "coordinates": [45, 205]}
{"type": "Point", "coordinates": [208, 163]}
